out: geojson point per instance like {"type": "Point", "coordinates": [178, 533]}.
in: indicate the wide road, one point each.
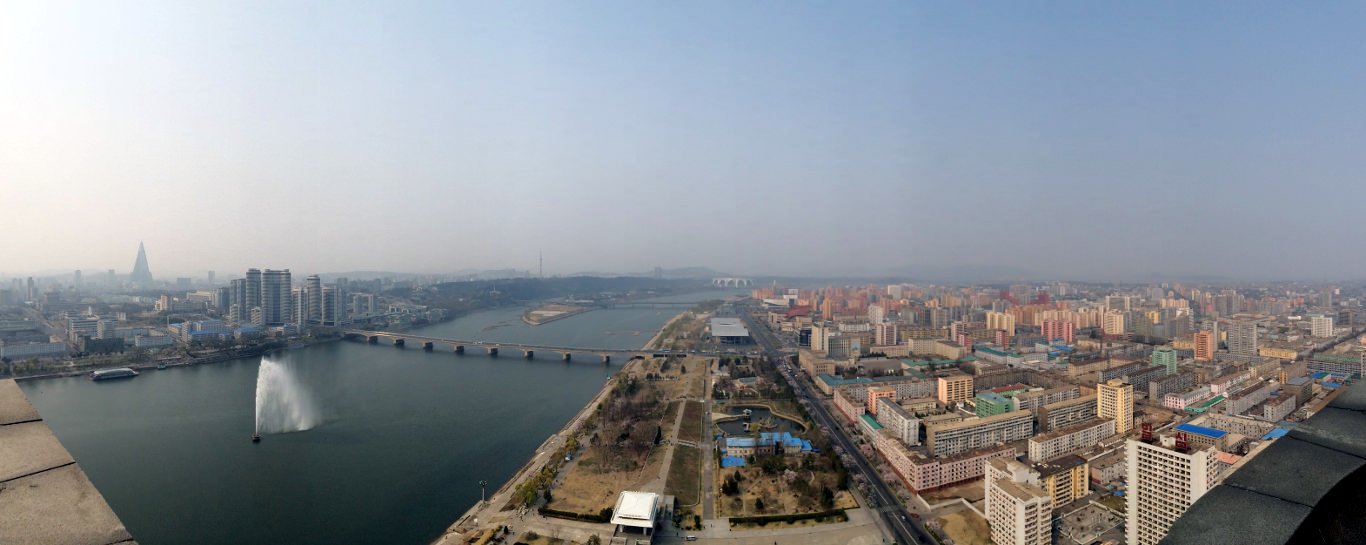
{"type": "Point", "coordinates": [907, 530]}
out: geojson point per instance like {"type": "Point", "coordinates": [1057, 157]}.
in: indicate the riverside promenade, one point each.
{"type": "Point", "coordinates": [490, 514]}
{"type": "Point", "coordinates": [44, 495]}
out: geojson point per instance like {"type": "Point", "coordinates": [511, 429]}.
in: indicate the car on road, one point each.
{"type": "Point", "coordinates": [690, 538]}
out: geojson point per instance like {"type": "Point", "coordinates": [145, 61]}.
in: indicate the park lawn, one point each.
{"type": "Point", "coordinates": [691, 428]}
{"type": "Point", "coordinates": [685, 475]}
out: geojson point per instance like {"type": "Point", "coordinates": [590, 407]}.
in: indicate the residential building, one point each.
{"type": "Point", "coordinates": [879, 392]}
{"type": "Point", "coordinates": [954, 388]}
{"type": "Point", "coordinates": [1115, 400]}
{"type": "Point", "coordinates": [1180, 400]}
{"type": "Point", "coordinates": [1059, 329]}
{"type": "Point", "coordinates": [1036, 399]}
{"type": "Point", "coordinates": [276, 297]}
{"type": "Point", "coordinates": [1075, 437]}
{"type": "Point", "coordinates": [1242, 338]}
{"type": "Point", "coordinates": [1206, 342]}
{"type": "Point", "coordinates": [1158, 388]}
{"type": "Point", "coordinates": [898, 422]}
{"type": "Point", "coordinates": [1001, 320]}
{"type": "Point", "coordinates": [972, 434]}
{"type": "Point", "coordinates": [1346, 364]}
{"type": "Point", "coordinates": [313, 298]}
{"type": "Point", "coordinates": [1063, 413]}
{"type": "Point", "coordinates": [1165, 357]}
{"type": "Point", "coordinates": [1248, 396]}
{"type": "Point", "coordinates": [1018, 513]}
{"type": "Point", "coordinates": [1165, 476]}
{"type": "Point", "coordinates": [1321, 326]}
{"type": "Point", "coordinates": [991, 404]}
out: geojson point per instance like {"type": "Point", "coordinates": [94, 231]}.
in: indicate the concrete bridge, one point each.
{"type": "Point", "coordinates": [494, 348]}
{"type": "Point", "coordinates": [646, 304]}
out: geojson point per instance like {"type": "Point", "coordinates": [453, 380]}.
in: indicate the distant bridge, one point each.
{"type": "Point", "coordinates": [528, 351]}
{"type": "Point", "coordinates": [646, 304]}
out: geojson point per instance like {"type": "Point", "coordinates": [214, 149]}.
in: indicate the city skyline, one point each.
{"type": "Point", "coordinates": [1208, 140]}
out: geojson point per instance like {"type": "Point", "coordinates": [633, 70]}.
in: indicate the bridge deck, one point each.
{"type": "Point", "coordinates": [523, 346]}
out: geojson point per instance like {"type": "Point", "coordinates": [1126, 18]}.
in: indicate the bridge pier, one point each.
{"type": "Point", "coordinates": [493, 351]}
{"type": "Point", "coordinates": [427, 346]}
{"type": "Point", "coordinates": [606, 359]}
{"type": "Point", "coordinates": [398, 341]}
{"type": "Point", "coordinates": [460, 349]}
{"type": "Point", "coordinates": [565, 355]}
{"type": "Point", "coordinates": [373, 339]}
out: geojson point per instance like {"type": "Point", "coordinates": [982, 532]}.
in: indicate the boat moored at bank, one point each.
{"type": "Point", "coordinates": [110, 374]}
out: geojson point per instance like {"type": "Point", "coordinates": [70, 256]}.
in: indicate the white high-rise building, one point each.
{"type": "Point", "coordinates": [277, 301]}
{"type": "Point", "coordinates": [313, 294]}
{"type": "Point", "coordinates": [1321, 326]}
{"type": "Point", "coordinates": [1165, 477]}
{"type": "Point", "coordinates": [1018, 510]}
{"type": "Point", "coordinates": [876, 314]}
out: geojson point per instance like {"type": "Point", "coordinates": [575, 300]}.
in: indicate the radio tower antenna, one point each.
{"type": "Point", "coordinates": [540, 264]}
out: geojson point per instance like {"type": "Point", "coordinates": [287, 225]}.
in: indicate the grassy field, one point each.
{"type": "Point", "coordinates": [691, 428]}
{"type": "Point", "coordinates": [966, 528]}
{"type": "Point", "coordinates": [685, 475]}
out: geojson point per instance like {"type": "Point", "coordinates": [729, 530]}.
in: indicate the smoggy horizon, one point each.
{"type": "Point", "coordinates": [999, 140]}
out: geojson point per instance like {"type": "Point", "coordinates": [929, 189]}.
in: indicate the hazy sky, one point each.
{"type": "Point", "coordinates": [1086, 139]}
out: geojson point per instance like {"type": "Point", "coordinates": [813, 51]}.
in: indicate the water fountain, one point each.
{"type": "Point", "coordinates": [283, 404]}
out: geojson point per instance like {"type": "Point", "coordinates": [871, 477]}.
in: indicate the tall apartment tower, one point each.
{"type": "Point", "coordinates": [1205, 343]}
{"type": "Point", "coordinates": [1242, 338]}
{"type": "Point", "coordinates": [1115, 400]}
{"type": "Point", "coordinates": [313, 292]}
{"type": "Point", "coordinates": [334, 305]}
{"type": "Point", "coordinates": [1321, 326]}
{"type": "Point", "coordinates": [1018, 510]}
{"type": "Point", "coordinates": [1165, 476]}
{"type": "Point", "coordinates": [253, 292]}
{"type": "Point", "coordinates": [238, 310]}
{"type": "Point", "coordinates": [1165, 356]}
{"type": "Point", "coordinates": [298, 309]}
{"type": "Point", "coordinates": [276, 300]}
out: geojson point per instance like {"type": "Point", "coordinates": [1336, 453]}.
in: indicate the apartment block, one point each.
{"type": "Point", "coordinates": [1054, 444]}
{"type": "Point", "coordinates": [1115, 400]}
{"type": "Point", "coordinates": [898, 422]}
{"type": "Point", "coordinates": [1063, 413]}
{"type": "Point", "coordinates": [960, 437]}
{"type": "Point", "coordinates": [1028, 401]}
{"type": "Point", "coordinates": [1164, 477]}
{"type": "Point", "coordinates": [1158, 388]}
{"type": "Point", "coordinates": [1018, 513]}
{"type": "Point", "coordinates": [954, 388]}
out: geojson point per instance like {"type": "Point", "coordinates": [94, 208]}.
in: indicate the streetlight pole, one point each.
{"type": "Point", "coordinates": [482, 484]}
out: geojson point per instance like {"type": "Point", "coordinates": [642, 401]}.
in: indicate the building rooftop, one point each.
{"type": "Point", "coordinates": [728, 327]}
{"type": "Point", "coordinates": [1022, 491]}
{"type": "Point", "coordinates": [1307, 487]}
{"type": "Point", "coordinates": [1201, 430]}
{"type": "Point", "coordinates": [1073, 428]}
{"type": "Point", "coordinates": [871, 422]}
{"type": "Point", "coordinates": [1059, 465]}
{"type": "Point", "coordinates": [636, 509]}
{"type": "Point", "coordinates": [44, 495]}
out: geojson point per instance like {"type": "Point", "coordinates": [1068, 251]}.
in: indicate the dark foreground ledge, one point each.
{"type": "Point", "coordinates": [44, 495]}
{"type": "Point", "coordinates": [1307, 487]}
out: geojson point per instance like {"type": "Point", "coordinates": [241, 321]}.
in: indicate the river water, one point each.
{"type": "Point", "coordinates": [406, 435]}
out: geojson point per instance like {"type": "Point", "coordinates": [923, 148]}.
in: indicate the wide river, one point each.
{"type": "Point", "coordinates": [405, 438]}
